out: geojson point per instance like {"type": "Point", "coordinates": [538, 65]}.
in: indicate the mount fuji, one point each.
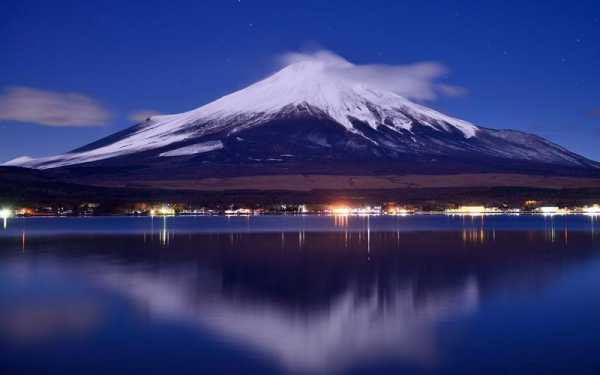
{"type": "Point", "coordinates": [311, 119]}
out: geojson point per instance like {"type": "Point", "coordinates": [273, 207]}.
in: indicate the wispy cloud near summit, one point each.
{"type": "Point", "coordinates": [418, 81]}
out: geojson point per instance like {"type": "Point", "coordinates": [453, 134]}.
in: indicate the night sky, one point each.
{"type": "Point", "coordinates": [71, 72]}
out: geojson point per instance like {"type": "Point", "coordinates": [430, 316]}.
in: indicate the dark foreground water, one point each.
{"type": "Point", "coordinates": [312, 294]}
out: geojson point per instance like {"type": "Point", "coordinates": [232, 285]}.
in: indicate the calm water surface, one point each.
{"type": "Point", "coordinates": [301, 294]}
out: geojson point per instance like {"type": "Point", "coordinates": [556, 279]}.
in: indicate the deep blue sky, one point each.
{"type": "Point", "coordinates": [533, 66]}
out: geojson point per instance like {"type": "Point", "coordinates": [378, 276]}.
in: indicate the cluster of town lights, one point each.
{"type": "Point", "coordinates": [5, 214]}
{"type": "Point", "coordinates": [470, 210]}
{"type": "Point", "coordinates": [163, 211]}
{"type": "Point", "coordinates": [367, 210]}
{"type": "Point", "coordinates": [594, 210]}
{"type": "Point", "coordinates": [544, 210]}
{"type": "Point", "coordinates": [344, 210]}
{"type": "Point", "coordinates": [239, 211]}
{"type": "Point", "coordinates": [170, 209]}
{"type": "Point", "coordinates": [462, 210]}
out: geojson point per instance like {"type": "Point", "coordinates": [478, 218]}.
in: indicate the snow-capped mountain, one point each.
{"type": "Point", "coordinates": [308, 118]}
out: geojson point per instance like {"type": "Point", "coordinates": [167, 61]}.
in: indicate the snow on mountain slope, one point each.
{"type": "Point", "coordinates": [367, 119]}
{"type": "Point", "coordinates": [197, 148]}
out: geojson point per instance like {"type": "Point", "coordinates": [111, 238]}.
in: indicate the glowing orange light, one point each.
{"type": "Point", "coordinates": [341, 210]}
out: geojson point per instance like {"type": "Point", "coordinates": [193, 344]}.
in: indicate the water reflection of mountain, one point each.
{"type": "Point", "coordinates": [318, 301]}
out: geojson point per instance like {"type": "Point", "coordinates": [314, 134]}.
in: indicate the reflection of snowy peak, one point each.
{"type": "Point", "coordinates": [352, 328]}
{"type": "Point", "coordinates": [309, 112]}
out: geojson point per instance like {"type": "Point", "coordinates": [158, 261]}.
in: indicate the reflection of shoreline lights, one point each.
{"type": "Point", "coordinates": [163, 236]}
{"type": "Point", "coordinates": [5, 214]}
{"type": "Point", "coordinates": [340, 220]}
{"type": "Point", "coordinates": [475, 235]}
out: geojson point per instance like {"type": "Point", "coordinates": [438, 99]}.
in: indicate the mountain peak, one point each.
{"type": "Point", "coordinates": [324, 85]}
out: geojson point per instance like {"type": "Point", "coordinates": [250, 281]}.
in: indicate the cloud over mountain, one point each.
{"type": "Point", "coordinates": [418, 81]}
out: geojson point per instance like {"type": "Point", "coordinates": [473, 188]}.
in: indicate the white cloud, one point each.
{"type": "Point", "coordinates": [51, 108]}
{"type": "Point", "coordinates": [418, 81]}
{"type": "Point", "coordinates": [142, 115]}
{"type": "Point", "coordinates": [451, 90]}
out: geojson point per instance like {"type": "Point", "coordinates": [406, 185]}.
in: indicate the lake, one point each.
{"type": "Point", "coordinates": [422, 294]}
